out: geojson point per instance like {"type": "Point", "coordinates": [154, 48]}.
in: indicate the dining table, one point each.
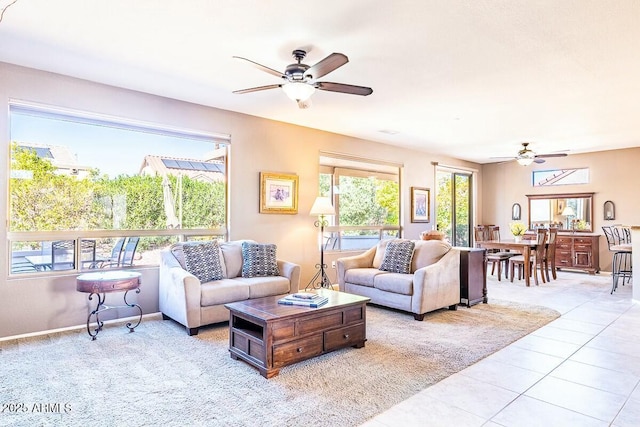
{"type": "Point", "coordinates": [522, 246]}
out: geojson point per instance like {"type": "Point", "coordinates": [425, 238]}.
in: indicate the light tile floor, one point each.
{"type": "Point", "coordinates": [582, 369]}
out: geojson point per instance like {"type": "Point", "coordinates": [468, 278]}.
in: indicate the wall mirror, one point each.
{"type": "Point", "coordinates": [568, 212]}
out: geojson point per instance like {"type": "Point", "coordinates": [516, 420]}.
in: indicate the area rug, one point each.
{"type": "Point", "coordinates": [158, 375]}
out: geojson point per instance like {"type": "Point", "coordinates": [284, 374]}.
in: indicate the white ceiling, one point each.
{"type": "Point", "coordinates": [470, 79]}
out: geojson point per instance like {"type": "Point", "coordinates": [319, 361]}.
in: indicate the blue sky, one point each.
{"type": "Point", "coordinates": [113, 151]}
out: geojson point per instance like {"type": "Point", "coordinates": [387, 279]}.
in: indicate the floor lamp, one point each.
{"type": "Point", "coordinates": [321, 208]}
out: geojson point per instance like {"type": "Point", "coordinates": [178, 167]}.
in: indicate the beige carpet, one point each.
{"type": "Point", "coordinates": [160, 376]}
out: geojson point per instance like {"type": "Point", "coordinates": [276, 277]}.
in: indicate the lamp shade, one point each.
{"type": "Point", "coordinates": [568, 211]}
{"type": "Point", "coordinates": [298, 91]}
{"type": "Point", "coordinates": [322, 206]}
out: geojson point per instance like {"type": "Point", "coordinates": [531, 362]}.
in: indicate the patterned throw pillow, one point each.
{"type": "Point", "coordinates": [202, 259]}
{"type": "Point", "coordinates": [397, 256]}
{"type": "Point", "coordinates": [259, 260]}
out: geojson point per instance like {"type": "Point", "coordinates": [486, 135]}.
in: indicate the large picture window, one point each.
{"type": "Point", "coordinates": [366, 196]}
{"type": "Point", "coordinates": [92, 185]}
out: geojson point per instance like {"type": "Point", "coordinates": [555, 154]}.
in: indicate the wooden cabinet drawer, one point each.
{"type": "Point", "coordinates": [563, 258]}
{"type": "Point", "coordinates": [315, 324]}
{"type": "Point", "coordinates": [294, 351]}
{"type": "Point", "coordinates": [352, 315]}
{"type": "Point", "coordinates": [283, 330]}
{"type": "Point", "coordinates": [582, 241]}
{"type": "Point", "coordinates": [582, 247]}
{"type": "Point", "coordinates": [344, 337]}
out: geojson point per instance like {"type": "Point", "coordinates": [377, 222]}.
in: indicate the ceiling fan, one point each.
{"type": "Point", "coordinates": [300, 80]}
{"type": "Point", "coordinates": [526, 156]}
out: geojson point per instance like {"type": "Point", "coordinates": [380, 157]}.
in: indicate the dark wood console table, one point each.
{"type": "Point", "coordinates": [104, 282]}
{"type": "Point", "coordinates": [473, 276]}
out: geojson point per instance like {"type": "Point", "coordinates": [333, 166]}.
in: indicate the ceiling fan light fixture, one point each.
{"type": "Point", "coordinates": [525, 160]}
{"type": "Point", "coordinates": [297, 91]}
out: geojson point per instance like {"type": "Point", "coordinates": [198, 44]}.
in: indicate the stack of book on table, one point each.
{"type": "Point", "coordinates": [307, 299]}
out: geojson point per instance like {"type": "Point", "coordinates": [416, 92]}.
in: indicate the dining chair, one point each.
{"type": "Point", "coordinates": [549, 260]}
{"type": "Point", "coordinates": [494, 256]}
{"type": "Point", "coordinates": [536, 257]}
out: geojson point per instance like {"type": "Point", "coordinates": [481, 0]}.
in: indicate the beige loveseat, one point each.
{"type": "Point", "coordinates": [183, 298]}
{"type": "Point", "coordinates": [433, 281]}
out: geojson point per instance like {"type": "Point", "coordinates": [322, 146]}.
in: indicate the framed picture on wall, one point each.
{"type": "Point", "coordinates": [278, 193]}
{"type": "Point", "coordinates": [420, 204]}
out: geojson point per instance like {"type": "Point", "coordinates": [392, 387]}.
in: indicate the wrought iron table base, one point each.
{"type": "Point", "coordinates": [101, 306]}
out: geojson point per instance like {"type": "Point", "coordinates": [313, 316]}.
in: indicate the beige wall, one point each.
{"type": "Point", "coordinates": [29, 305]}
{"type": "Point", "coordinates": [611, 175]}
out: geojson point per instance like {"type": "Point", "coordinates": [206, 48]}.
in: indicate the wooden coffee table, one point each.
{"type": "Point", "coordinates": [269, 336]}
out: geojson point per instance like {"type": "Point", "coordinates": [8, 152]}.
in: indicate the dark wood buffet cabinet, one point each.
{"type": "Point", "coordinates": [579, 251]}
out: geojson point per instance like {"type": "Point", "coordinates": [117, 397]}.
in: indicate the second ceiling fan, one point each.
{"type": "Point", "coordinates": [300, 80]}
{"type": "Point", "coordinates": [526, 156]}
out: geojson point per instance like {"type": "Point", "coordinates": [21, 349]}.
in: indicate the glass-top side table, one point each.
{"type": "Point", "coordinates": [101, 283]}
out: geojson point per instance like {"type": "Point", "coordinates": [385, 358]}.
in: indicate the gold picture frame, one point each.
{"type": "Point", "coordinates": [278, 193]}
{"type": "Point", "coordinates": [420, 204]}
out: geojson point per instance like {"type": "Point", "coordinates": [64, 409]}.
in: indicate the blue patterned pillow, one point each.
{"type": "Point", "coordinates": [202, 259]}
{"type": "Point", "coordinates": [397, 256]}
{"type": "Point", "coordinates": [259, 260]}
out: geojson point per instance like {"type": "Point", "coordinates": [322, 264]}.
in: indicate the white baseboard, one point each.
{"type": "Point", "coordinates": [72, 328]}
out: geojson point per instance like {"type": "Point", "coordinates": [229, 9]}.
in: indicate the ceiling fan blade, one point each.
{"type": "Point", "coordinates": [327, 65]}
{"type": "Point", "coordinates": [551, 155]}
{"type": "Point", "coordinates": [263, 67]}
{"type": "Point", "coordinates": [344, 88]}
{"type": "Point", "coordinates": [256, 89]}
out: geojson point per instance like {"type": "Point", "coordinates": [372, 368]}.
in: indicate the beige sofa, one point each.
{"type": "Point", "coordinates": [183, 298]}
{"type": "Point", "coordinates": [434, 281]}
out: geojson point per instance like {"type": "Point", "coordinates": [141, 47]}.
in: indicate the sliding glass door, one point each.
{"type": "Point", "coordinates": [453, 205]}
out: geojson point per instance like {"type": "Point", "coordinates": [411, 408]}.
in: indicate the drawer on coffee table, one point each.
{"type": "Point", "coordinates": [319, 323]}
{"type": "Point", "coordinates": [344, 337]}
{"type": "Point", "coordinates": [284, 354]}
{"type": "Point", "coordinates": [355, 314]}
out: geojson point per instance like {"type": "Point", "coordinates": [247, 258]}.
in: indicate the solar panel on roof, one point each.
{"type": "Point", "coordinates": [192, 165]}
{"type": "Point", "coordinates": [170, 163]}
{"type": "Point", "coordinates": [42, 152]}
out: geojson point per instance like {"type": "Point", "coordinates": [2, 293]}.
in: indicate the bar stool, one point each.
{"type": "Point", "coordinates": [621, 261]}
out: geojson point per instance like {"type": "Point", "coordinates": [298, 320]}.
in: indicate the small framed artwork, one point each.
{"type": "Point", "coordinates": [278, 193]}
{"type": "Point", "coordinates": [420, 204]}
{"type": "Point", "coordinates": [561, 206]}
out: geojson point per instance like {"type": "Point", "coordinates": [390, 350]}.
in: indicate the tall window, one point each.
{"type": "Point", "coordinates": [366, 196]}
{"type": "Point", "coordinates": [86, 182]}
